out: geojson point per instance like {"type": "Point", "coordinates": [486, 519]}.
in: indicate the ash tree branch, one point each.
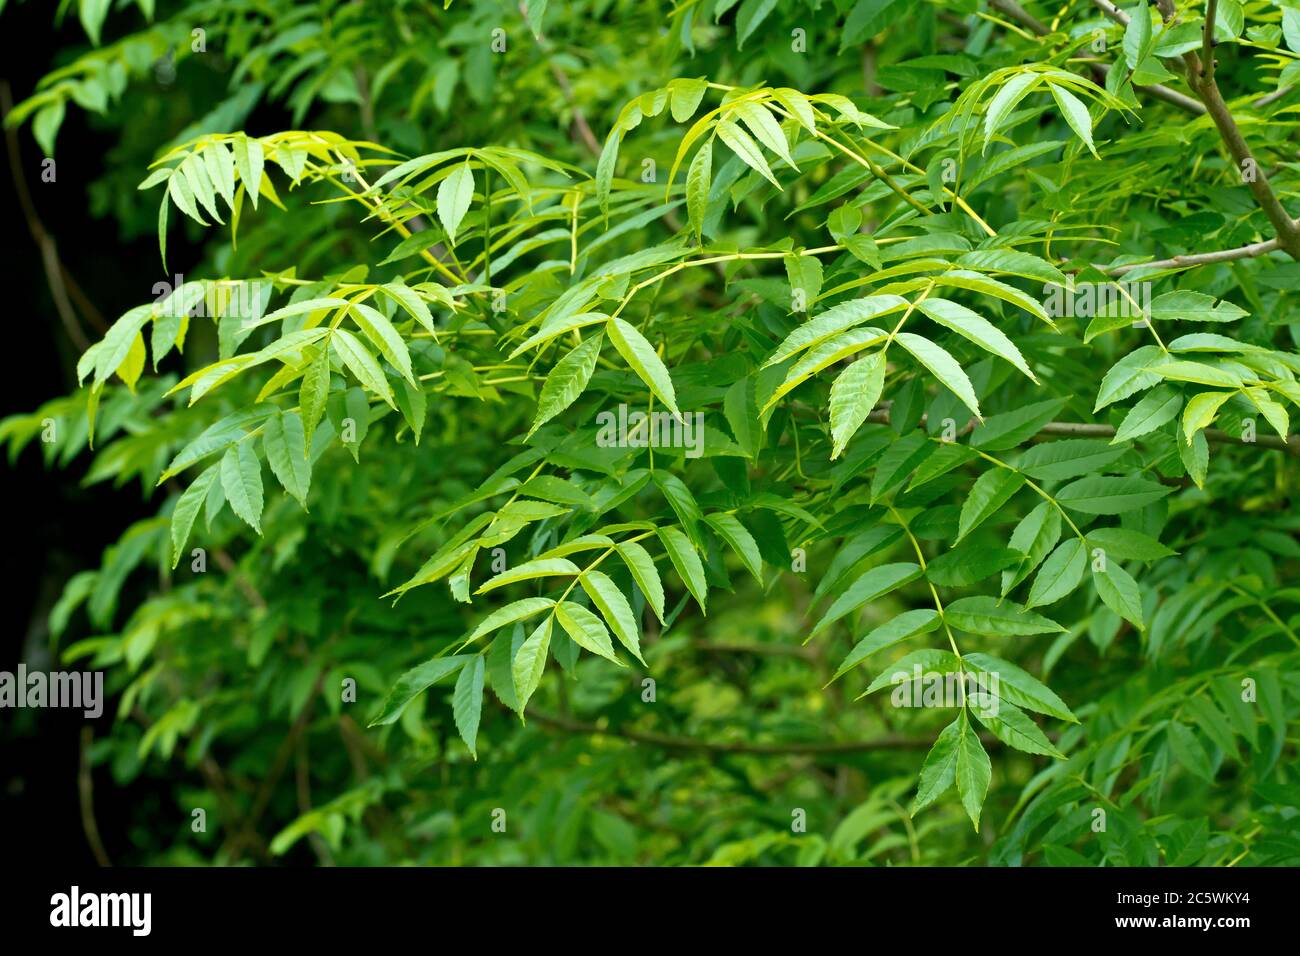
{"type": "Point", "coordinates": [1099, 70]}
{"type": "Point", "coordinates": [1207, 40]}
{"type": "Point", "coordinates": [1199, 73]}
{"type": "Point", "coordinates": [1251, 251]}
{"type": "Point", "coordinates": [1201, 76]}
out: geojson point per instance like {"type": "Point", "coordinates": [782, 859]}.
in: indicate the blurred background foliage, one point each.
{"type": "Point", "coordinates": [226, 684]}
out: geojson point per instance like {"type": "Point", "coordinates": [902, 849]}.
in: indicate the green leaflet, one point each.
{"type": "Point", "coordinates": [939, 772]}
{"type": "Point", "coordinates": [1158, 406]}
{"type": "Point", "coordinates": [567, 380]}
{"type": "Point", "coordinates": [1120, 592]}
{"type": "Point", "coordinates": [926, 662]}
{"type": "Point", "coordinates": [586, 542]}
{"type": "Point", "coordinates": [942, 366]}
{"type": "Point", "coordinates": [969, 564]}
{"type": "Point", "coordinates": [740, 406]}
{"type": "Point", "coordinates": [908, 624]}
{"type": "Point", "coordinates": [530, 662]}
{"type": "Point", "coordinates": [1189, 751]}
{"type": "Point", "coordinates": [529, 571]}
{"type": "Point", "coordinates": [898, 462]}
{"type": "Point", "coordinates": [1188, 306]}
{"type": "Point", "coordinates": [585, 629]}
{"type": "Point", "coordinates": [467, 702]}
{"type": "Point", "coordinates": [605, 169]}
{"type": "Point", "coordinates": [645, 574]}
{"type": "Point", "coordinates": [415, 681]}
{"type": "Point", "coordinates": [1060, 573]}
{"type": "Point", "coordinates": [1068, 458]}
{"type": "Point", "coordinates": [972, 770]}
{"type": "Point", "coordinates": [241, 481]}
{"type": "Point", "coordinates": [739, 142]}
{"type": "Point", "coordinates": [517, 611]}
{"type": "Point", "coordinates": [939, 462]}
{"type": "Point", "coordinates": [604, 593]}
{"type": "Point", "coordinates": [1012, 261]}
{"type": "Point", "coordinates": [187, 509]}
{"type": "Point", "coordinates": [684, 98]}
{"type": "Point", "coordinates": [988, 615]}
{"type": "Point", "coordinates": [1137, 37]}
{"type": "Point", "coordinates": [975, 328]}
{"type": "Point", "coordinates": [853, 396]}
{"type": "Point", "coordinates": [764, 128]}
{"type": "Point", "coordinates": [990, 492]}
{"type": "Point", "coordinates": [314, 392]}
{"type": "Point", "coordinates": [249, 161]}
{"type": "Point", "coordinates": [805, 275]}
{"type": "Point", "coordinates": [362, 364]}
{"type": "Point", "coordinates": [376, 327]}
{"type": "Point", "coordinates": [641, 356]}
{"type": "Point", "coordinates": [1200, 373]}
{"type": "Point", "coordinates": [1130, 375]}
{"type": "Point", "coordinates": [864, 249]}
{"type": "Point", "coordinates": [833, 321]}
{"type": "Point", "coordinates": [1010, 429]}
{"type": "Point", "coordinates": [1034, 537]}
{"type": "Point", "coordinates": [686, 560]}
{"type": "Point", "coordinates": [1274, 412]}
{"type": "Point", "coordinates": [844, 222]}
{"type": "Point", "coordinates": [856, 549]}
{"type": "Point", "coordinates": [739, 539]}
{"type": "Point", "coordinates": [1016, 89]}
{"type": "Point", "coordinates": [454, 196]}
{"type": "Point", "coordinates": [410, 300]}
{"type": "Point", "coordinates": [285, 442]}
{"type": "Point", "coordinates": [1127, 544]}
{"type": "Point", "coordinates": [683, 503]}
{"type": "Point", "coordinates": [112, 350]}
{"type": "Point", "coordinates": [1195, 456]}
{"type": "Point", "coordinates": [500, 666]}
{"type": "Point", "coordinates": [294, 309]}
{"type": "Point", "coordinates": [414, 403]}
{"type": "Point", "coordinates": [557, 490]}
{"type": "Point", "coordinates": [556, 325]}
{"type": "Point", "coordinates": [1012, 726]}
{"type": "Point", "coordinates": [823, 356]}
{"type": "Point", "coordinates": [1019, 687]}
{"type": "Point", "coordinates": [1200, 411]}
{"type": "Point", "coordinates": [871, 585]}
{"type": "Point", "coordinates": [216, 437]}
{"type": "Point", "coordinates": [1100, 495]}
{"type": "Point", "coordinates": [699, 176]}
{"type": "Point", "coordinates": [975, 282]}
{"type": "Point", "coordinates": [1075, 113]}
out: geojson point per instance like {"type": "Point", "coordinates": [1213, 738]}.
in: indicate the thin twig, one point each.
{"type": "Point", "coordinates": [1018, 13]}
{"type": "Point", "coordinates": [250, 592]}
{"type": "Point", "coordinates": [580, 123]}
{"type": "Point", "coordinates": [303, 785]}
{"type": "Point", "coordinates": [54, 268]}
{"type": "Point", "coordinates": [1199, 73]}
{"type": "Point", "coordinates": [86, 795]}
{"type": "Point", "coordinates": [282, 756]}
{"type": "Point", "coordinates": [1200, 258]}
